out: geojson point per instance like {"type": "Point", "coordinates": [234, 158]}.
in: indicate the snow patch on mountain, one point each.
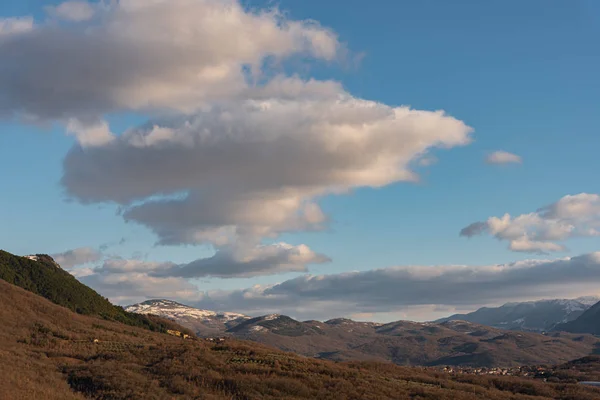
{"type": "Point", "coordinates": [271, 317]}
{"type": "Point", "coordinates": [174, 310]}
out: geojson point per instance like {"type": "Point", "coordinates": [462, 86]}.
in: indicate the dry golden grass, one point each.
{"type": "Point", "coordinates": [47, 352]}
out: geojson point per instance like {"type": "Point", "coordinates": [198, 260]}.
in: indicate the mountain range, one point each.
{"type": "Point", "coordinates": [536, 316]}
{"type": "Point", "coordinates": [449, 342]}
{"type": "Point", "coordinates": [204, 322]}
{"type": "Point", "coordinates": [588, 322]}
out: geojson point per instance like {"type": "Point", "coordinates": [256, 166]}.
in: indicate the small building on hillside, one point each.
{"type": "Point", "coordinates": [177, 333]}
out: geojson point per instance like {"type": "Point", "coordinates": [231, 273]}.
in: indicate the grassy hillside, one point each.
{"type": "Point", "coordinates": [47, 279]}
{"type": "Point", "coordinates": [49, 352]}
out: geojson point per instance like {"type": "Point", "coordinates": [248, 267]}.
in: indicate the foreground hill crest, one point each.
{"type": "Point", "coordinates": [41, 275]}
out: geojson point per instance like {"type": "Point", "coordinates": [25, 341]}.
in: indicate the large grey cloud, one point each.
{"type": "Point", "coordinates": [543, 230]}
{"type": "Point", "coordinates": [96, 57]}
{"type": "Point", "coordinates": [397, 288]}
{"type": "Point", "coordinates": [261, 260]}
{"type": "Point", "coordinates": [254, 168]}
{"type": "Point", "coordinates": [239, 154]}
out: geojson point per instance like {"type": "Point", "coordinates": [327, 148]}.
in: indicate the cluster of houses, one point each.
{"type": "Point", "coordinates": [533, 371]}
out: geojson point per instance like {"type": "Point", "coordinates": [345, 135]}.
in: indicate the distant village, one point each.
{"type": "Point", "coordinates": [529, 370]}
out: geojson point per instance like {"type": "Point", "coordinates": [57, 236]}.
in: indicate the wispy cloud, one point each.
{"type": "Point", "coordinates": [503, 157]}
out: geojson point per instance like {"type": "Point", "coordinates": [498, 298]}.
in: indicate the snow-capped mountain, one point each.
{"type": "Point", "coordinates": [542, 315]}
{"type": "Point", "coordinates": [166, 308]}
{"type": "Point", "coordinates": [203, 322]}
{"type": "Point", "coordinates": [588, 322]}
{"type": "Point", "coordinates": [273, 323]}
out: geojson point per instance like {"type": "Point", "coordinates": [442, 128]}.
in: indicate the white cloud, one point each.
{"type": "Point", "coordinates": [525, 245]}
{"type": "Point", "coordinates": [15, 26]}
{"type": "Point", "coordinates": [503, 157]}
{"type": "Point", "coordinates": [254, 168]}
{"type": "Point", "coordinates": [145, 55]}
{"type": "Point", "coordinates": [128, 288]}
{"type": "Point", "coordinates": [77, 11]}
{"type": "Point", "coordinates": [571, 216]}
{"type": "Point", "coordinates": [583, 206]}
{"type": "Point", "coordinates": [91, 134]}
{"type": "Point", "coordinates": [124, 266]}
{"type": "Point", "coordinates": [241, 262]}
{"type": "Point", "coordinates": [233, 154]}
{"type": "Point", "coordinates": [75, 257]}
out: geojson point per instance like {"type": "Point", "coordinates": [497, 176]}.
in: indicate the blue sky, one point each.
{"type": "Point", "coordinates": [523, 75]}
